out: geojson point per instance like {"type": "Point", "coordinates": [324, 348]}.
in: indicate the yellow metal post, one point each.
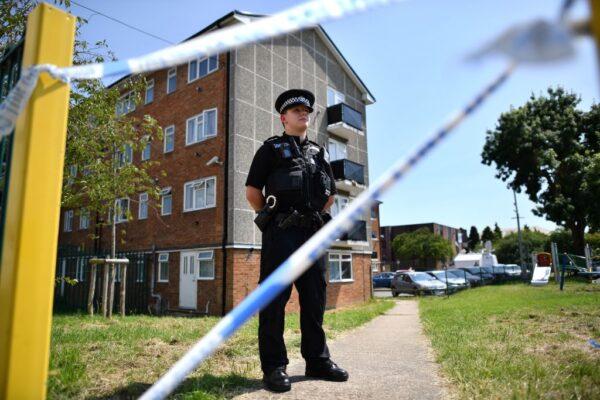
{"type": "Point", "coordinates": [33, 212]}
{"type": "Point", "coordinates": [595, 25]}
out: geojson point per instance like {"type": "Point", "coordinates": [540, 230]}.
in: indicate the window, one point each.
{"type": "Point", "coordinates": [80, 270]}
{"type": "Point", "coordinates": [84, 219]}
{"type": "Point", "coordinates": [374, 213]}
{"type": "Point", "coordinates": [169, 139]}
{"type": "Point", "coordinates": [206, 267]}
{"type": "Point", "coordinates": [163, 267]}
{"type": "Point", "coordinates": [337, 150]}
{"type": "Point", "coordinates": [146, 151]}
{"type": "Point", "coordinates": [199, 194]}
{"type": "Point", "coordinates": [149, 92]}
{"type": "Point", "coordinates": [201, 127]}
{"type": "Point", "coordinates": [340, 267]}
{"type": "Point", "coordinates": [122, 207]}
{"type": "Point", "coordinates": [72, 174]}
{"type": "Point", "coordinates": [124, 156]}
{"type": "Point", "coordinates": [126, 104]}
{"type": "Point", "coordinates": [339, 204]}
{"type": "Point", "coordinates": [143, 206]}
{"type": "Point", "coordinates": [334, 97]}
{"type": "Point", "coordinates": [202, 67]}
{"type": "Point", "coordinates": [171, 80]}
{"type": "Point", "coordinates": [68, 221]}
{"type": "Point", "coordinates": [373, 235]}
{"type": "Point", "coordinates": [166, 201]}
{"type": "Point", "coordinates": [140, 270]}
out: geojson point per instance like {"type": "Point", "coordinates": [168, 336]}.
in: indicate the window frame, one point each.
{"type": "Point", "coordinates": [165, 135]}
{"type": "Point", "coordinates": [84, 215]}
{"type": "Point", "coordinates": [202, 137]}
{"type": "Point", "coordinates": [166, 192]}
{"type": "Point", "coordinates": [148, 147]}
{"type": "Point", "coordinates": [197, 62]}
{"type": "Point", "coordinates": [160, 264]}
{"type": "Point", "coordinates": [338, 97]}
{"type": "Point", "coordinates": [140, 277]}
{"type": "Point", "coordinates": [197, 182]}
{"type": "Point", "coordinates": [118, 219]}
{"type": "Point", "coordinates": [336, 207]}
{"type": "Point", "coordinates": [68, 221]}
{"type": "Point", "coordinates": [337, 144]}
{"type": "Point", "coordinates": [125, 100]}
{"type": "Point", "coordinates": [210, 256]}
{"type": "Point", "coordinates": [340, 255]}
{"type": "Point", "coordinates": [149, 87]}
{"type": "Point", "coordinates": [171, 73]}
{"type": "Point", "coordinates": [143, 202]}
{"type": "Point", "coordinates": [80, 269]}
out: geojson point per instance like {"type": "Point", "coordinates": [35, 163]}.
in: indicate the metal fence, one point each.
{"type": "Point", "coordinates": [73, 281]}
{"type": "Point", "coordinates": [10, 70]}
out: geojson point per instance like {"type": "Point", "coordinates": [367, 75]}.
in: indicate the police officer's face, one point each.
{"type": "Point", "coordinates": [296, 119]}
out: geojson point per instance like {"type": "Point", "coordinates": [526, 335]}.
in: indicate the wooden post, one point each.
{"type": "Point", "coordinates": [33, 211]}
{"type": "Point", "coordinates": [111, 290]}
{"type": "Point", "coordinates": [104, 289]}
{"type": "Point", "coordinates": [92, 290]}
{"type": "Point", "coordinates": [123, 289]}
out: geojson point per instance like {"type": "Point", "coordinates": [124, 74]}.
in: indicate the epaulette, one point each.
{"type": "Point", "coordinates": [315, 143]}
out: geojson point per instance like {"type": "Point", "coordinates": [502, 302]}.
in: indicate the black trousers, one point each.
{"type": "Point", "coordinates": [277, 245]}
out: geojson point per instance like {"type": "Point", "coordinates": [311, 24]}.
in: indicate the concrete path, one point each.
{"type": "Point", "coordinates": [387, 358]}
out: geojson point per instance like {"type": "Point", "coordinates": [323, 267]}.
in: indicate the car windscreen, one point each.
{"type": "Point", "coordinates": [456, 273]}
{"type": "Point", "coordinates": [422, 276]}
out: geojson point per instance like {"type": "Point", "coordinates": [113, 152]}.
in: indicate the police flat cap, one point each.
{"type": "Point", "coordinates": [294, 97]}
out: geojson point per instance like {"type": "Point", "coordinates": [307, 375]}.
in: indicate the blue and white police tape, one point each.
{"type": "Point", "coordinates": [296, 18]}
{"type": "Point", "coordinates": [306, 255]}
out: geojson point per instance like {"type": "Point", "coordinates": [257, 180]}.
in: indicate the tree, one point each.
{"type": "Point", "coordinates": [473, 240]}
{"type": "Point", "coordinates": [507, 248]}
{"type": "Point", "coordinates": [100, 142]}
{"type": "Point", "coordinates": [421, 244]}
{"type": "Point", "coordinates": [551, 150]}
{"type": "Point", "coordinates": [497, 232]}
{"type": "Point", "coordinates": [487, 234]}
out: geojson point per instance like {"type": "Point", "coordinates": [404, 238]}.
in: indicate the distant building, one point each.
{"type": "Point", "coordinates": [455, 237]}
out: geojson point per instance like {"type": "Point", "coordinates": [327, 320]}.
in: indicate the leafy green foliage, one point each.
{"type": "Point", "coordinates": [497, 232]}
{"type": "Point", "coordinates": [421, 244]}
{"type": "Point", "coordinates": [551, 150]}
{"type": "Point", "coordinates": [507, 248]}
{"type": "Point", "coordinates": [487, 234]}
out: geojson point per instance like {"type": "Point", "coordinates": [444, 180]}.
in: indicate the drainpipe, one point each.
{"type": "Point", "coordinates": [226, 187]}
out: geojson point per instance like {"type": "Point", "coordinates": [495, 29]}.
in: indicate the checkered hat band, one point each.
{"type": "Point", "coordinates": [294, 100]}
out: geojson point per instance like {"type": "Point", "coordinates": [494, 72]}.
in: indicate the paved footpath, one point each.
{"type": "Point", "coordinates": [387, 358]}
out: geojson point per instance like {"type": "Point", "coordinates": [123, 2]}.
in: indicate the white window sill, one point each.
{"type": "Point", "coordinates": [203, 76]}
{"type": "Point", "coordinates": [342, 281]}
{"type": "Point", "coordinates": [198, 209]}
{"type": "Point", "coordinates": [206, 279]}
{"type": "Point", "coordinates": [159, 281]}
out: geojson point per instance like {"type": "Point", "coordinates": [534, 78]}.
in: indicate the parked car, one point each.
{"type": "Point", "coordinates": [383, 280]}
{"type": "Point", "coordinates": [417, 283]}
{"type": "Point", "coordinates": [473, 280]}
{"type": "Point", "coordinates": [513, 271]}
{"type": "Point", "coordinates": [486, 277]}
{"type": "Point", "coordinates": [453, 281]}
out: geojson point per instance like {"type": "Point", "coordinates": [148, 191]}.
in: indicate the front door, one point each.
{"type": "Point", "coordinates": [188, 288]}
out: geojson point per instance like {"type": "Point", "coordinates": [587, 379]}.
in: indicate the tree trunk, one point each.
{"type": "Point", "coordinates": [111, 289]}
{"type": "Point", "coordinates": [578, 236]}
{"type": "Point", "coordinates": [104, 290]}
{"type": "Point", "coordinates": [123, 289]}
{"type": "Point", "coordinates": [92, 290]}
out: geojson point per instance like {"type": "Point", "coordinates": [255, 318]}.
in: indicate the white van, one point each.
{"type": "Point", "coordinates": [483, 259]}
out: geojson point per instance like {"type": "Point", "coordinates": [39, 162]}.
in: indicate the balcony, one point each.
{"type": "Point", "coordinates": [344, 121]}
{"type": "Point", "coordinates": [358, 233]}
{"type": "Point", "coordinates": [349, 176]}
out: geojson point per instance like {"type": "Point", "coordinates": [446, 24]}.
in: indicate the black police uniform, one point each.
{"type": "Point", "coordinates": [300, 177]}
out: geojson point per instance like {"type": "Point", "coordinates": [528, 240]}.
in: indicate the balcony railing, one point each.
{"type": "Point", "coordinates": [348, 170]}
{"type": "Point", "coordinates": [344, 121]}
{"type": "Point", "coordinates": [358, 233]}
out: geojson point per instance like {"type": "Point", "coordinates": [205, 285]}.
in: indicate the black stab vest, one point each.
{"type": "Point", "coordinates": [299, 179]}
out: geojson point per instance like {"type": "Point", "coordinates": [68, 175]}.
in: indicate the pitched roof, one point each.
{"type": "Point", "coordinates": [236, 16]}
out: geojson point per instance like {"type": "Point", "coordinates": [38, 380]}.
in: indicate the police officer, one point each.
{"type": "Point", "coordinates": [299, 187]}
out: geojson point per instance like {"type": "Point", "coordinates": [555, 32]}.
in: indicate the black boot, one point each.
{"type": "Point", "coordinates": [277, 380]}
{"type": "Point", "coordinates": [327, 370]}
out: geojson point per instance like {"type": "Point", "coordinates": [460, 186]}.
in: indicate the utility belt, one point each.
{"type": "Point", "coordinates": [307, 219]}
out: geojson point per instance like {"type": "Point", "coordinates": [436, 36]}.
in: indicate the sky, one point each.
{"type": "Point", "coordinates": [411, 55]}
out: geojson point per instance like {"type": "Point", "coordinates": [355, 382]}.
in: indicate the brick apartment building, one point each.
{"type": "Point", "coordinates": [216, 112]}
{"type": "Point", "coordinates": [391, 262]}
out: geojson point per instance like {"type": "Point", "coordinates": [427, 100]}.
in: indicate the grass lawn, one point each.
{"type": "Point", "coordinates": [518, 341]}
{"type": "Point", "coordinates": [119, 358]}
